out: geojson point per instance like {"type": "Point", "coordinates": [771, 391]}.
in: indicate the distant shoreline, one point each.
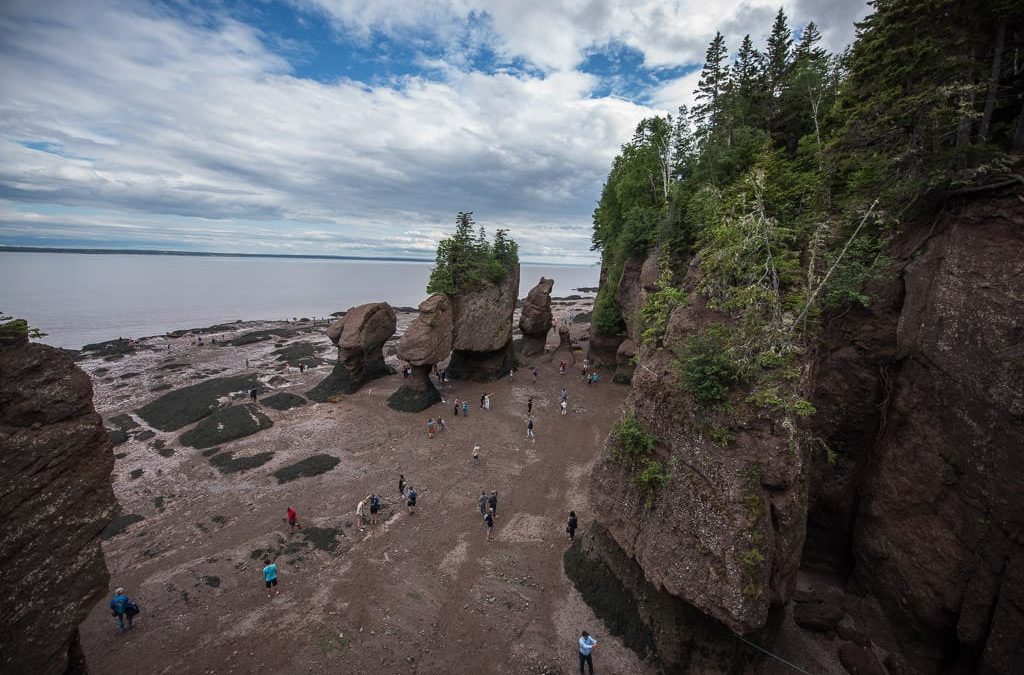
{"type": "Point", "coordinates": [210, 254]}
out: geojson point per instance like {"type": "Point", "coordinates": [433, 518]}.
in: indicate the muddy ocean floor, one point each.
{"type": "Point", "coordinates": [421, 593]}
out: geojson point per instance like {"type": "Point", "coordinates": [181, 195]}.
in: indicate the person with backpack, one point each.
{"type": "Point", "coordinates": [586, 647]}
{"type": "Point", "coordinates": [570, 526]}
{"type": "Point", "coordinates": [270, 576]}
{"type": "Point", "coordinates": [489, 522]}
{"type": "Point", "coordinates": [122, 607]}
{"type": "Point", "coordinates": [374, 508]}
{"type": "Point", "coordinates": [410, 500]}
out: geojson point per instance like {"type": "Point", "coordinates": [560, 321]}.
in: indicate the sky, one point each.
{"type": "Point", "coordinates": [341, 127]}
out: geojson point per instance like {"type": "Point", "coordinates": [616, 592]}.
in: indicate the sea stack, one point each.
{"type": "Point", "coordinates": [483, 330]}
{"type": "Point", "coordinates": [535, 319]}
{"type": "Point", "coordinates": [426, 342]}
{"type": "Point", "coordinates": [360, 336]}
{"type": "Point", "coordinates": [56, 500]}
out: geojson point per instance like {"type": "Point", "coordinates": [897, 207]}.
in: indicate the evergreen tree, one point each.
{"type": "Point", "coordinates": [746, 91]}
{"type": "Point", "coordinates": [714, 79]}
{"type": "Point", "coordinates": [777, 56]}
{"type": "Point", "coordinates": [683, 145]}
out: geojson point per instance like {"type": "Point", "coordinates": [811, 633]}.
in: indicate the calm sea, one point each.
{"type": "Point", "coordinates": [83, 298]}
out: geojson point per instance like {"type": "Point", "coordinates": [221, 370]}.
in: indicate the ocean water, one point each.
{"type": "Point", "coordinates": [82, 298]}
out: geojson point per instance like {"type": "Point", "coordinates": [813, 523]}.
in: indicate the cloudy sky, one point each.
{"type": "Point", "coordinates": [343, 127]}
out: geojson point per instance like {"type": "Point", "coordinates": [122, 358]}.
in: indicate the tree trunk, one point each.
{"type": "Point", "coordinates": [993, 83]}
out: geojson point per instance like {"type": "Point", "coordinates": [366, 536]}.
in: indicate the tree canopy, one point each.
{"type": "Point", "coordinates": [466, 260]}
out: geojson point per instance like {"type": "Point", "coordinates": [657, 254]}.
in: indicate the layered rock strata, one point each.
{"type": "Point", "coordinates": [55, 499]}
{"type": "Point", "coordinates": [426, 342]}
{"type": "Point", "coordinates": [360, 336]}
{"type": "Point", "coordinates": [535, 318]}
{"type": "Point", "coordinates": [482, 346]}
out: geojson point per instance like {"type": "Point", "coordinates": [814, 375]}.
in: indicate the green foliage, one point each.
{"type": "Point", "coordinates": [658, 306]}
{"type": "Point", "coordinates": [607, 314]}
{"type": "Point", "coordinates": [705, 368]}
{"type": "Point", "coordinates": [12, 325]}
{"type": "Point", "coordinates": [631, 442]}
{"type": "Point", "coordinates": [466, 261]}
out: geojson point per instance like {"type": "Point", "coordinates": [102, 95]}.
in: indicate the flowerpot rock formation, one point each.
{"type": "Point", "coordinates": [483, 330]}
{"type": "Point", "coordinates": [426, 342]}
{"type": "Point", "coordinates": [535, 319]}
{"type": "Point", "coordinates": [360, 336]}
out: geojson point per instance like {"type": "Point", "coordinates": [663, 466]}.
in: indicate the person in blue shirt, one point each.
{"type": "Point", "coordinates": [586, 646]}
{"type": "Point", "coordinates": [119, 606]}
{"type": "Point", "coordinates": [270, 576]}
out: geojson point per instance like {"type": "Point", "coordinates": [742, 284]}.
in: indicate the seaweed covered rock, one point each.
{"type": "Point", "coordinates": [184, 406]}
{"type": "Point", "coordinates": [427, 341]}
{"type": "Point", "coordinates": [283, 401]}
{"type": "Point", "coordinates": [482, 348]}
{"type": "Point", "coordinates": [535, 319]}
{"type": "Point", "coordinates": [226, 425]}
{"type": "Point", "coordinates": [56, 499]}
{"type": "Point", "coordinates": [360, 336]}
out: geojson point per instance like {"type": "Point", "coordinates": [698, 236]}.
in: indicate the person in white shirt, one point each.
{"type": "Point", "coordinates": [586, 646]}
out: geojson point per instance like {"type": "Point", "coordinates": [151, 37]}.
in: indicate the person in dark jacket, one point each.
{"type": "Point", "coordinates": [570, 526]}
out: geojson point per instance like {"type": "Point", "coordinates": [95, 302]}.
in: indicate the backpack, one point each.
{"type": "Point", "coordinates": [411, 495]}
{"type": "Point", "coordinates": [131, 609]}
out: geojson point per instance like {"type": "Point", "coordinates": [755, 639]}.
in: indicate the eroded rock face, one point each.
{"type": "Point", "coordinates": [921, 402]}
{"type": "Point", "coordinates": [360, 336]}
{"type": "Point", "coordinates": [426, 342]}
{"type": "Point", "coordinates": [625, 364]}
{"type": "Point", "coordinates": [639, 277]}
{"type": "Point", "coordinates": [482, 347]}
{"type": "Point", "coordinates": [535, 318]}
{"type": "Point", "coordinates": [55, 466]}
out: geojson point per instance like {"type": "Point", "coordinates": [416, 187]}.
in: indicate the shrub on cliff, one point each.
{"type": "Point", "coordinates": [466, 261]}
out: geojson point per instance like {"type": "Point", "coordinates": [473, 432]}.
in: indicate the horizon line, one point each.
{"type": "Point", "coordinates": [4, 248]}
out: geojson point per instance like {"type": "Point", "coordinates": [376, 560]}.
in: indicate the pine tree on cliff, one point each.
{"type": "Point", "coordinates": [711, 87]}
{"type": "Point", "coordinates": [466, 260]}
{"type": "Point", "coordinates": [776, 64]}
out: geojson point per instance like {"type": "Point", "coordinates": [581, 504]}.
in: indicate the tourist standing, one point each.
{"type": "Point", "coordinates": [476, 453]}
{"type": "Point", "coordinates": [252, 394]}
{"type": "Point", "coordinates": [482, 503]}
{"type": "Point", "coordinates": [430, 428]}
{"type": "Point", "coordinates": [465, 408]}
{"type": "Point", "coordinates": [529, 406]}
{"type": "Point", "coordinates": [529, 429]}
{"type": "Point", "coordinates": [410, 500]}
{"type": "Point", "coordinates": [487, 401]}
{"type": "Point", "coordinates": [121, 606]}
{"type": "Point", "coordinates": [293, 518]}
{"type": "Point", "coordinates": [489, 521]}
{"type": "Point", "coordinates": [360, 518]}
{"type": "Point", "coordinates": [586, 647]}
{"type": "Point", "coordinates": [374, 508]}
{"type": "Point", "coordinates": [456, 412]}
{"type": "Point", "coordinates": [441, 425]}
{"type": "Point", "coordinates": [565, 394]}
{"type": "Point", "coordinates": [492, 503]}
{"type": "Point", "coordinates": [570, 526]}
{"type": "Point", "coordinates": [565, 408]}
{"type": "Point", "coordinates": [401, 487]}
{"type": "Point", "coordinates": [270, 576]}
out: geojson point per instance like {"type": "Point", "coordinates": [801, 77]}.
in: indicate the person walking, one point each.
{"type": "Point", "coordinates": [252, 394]}
{"type": "Point", "coordinates": [565, 408]}
{"type": "Point", "coordinates": [401, 487]}
{"type": "Point", "coordinates": [270, 576]}
{"type": "Point", "coordinates": [293, 518]}
{"type": "Point", "coordinates": [374, 508]}
{"type": "Point", "coordinates": [587, 644]}
{"type": "Point", "coordinates": [410, 500]}
{"type": "Point", "coordinates": [570, 526]}
{"type": "Point", "coordinates": [487, 401]}
{"type": "Point", "coordinates": [360, 518]}
{"type": "Point", "coordinates": [595, 377]}
{"type": "Point", "coordinates": [492, 503]}
{"type": "Point", "coordinates": [529, 430]}
{"type": "Point", "coordinates": [465, 408]}
{"type": "Point", "coordinates": [489, 522]}
{"type": "Point", "coordinates": [565, 394]}
{"type": "Point", "coordinates": [121, 607]}
{"type": "Point", "coordinates": [430, 428]}
{"type": "Point", "coordinates": [529, 406]}
{"type": "Point", "coordinates": [456, 412]}
{"type": "Point", "coordinates": [482, 502]}
{"type": "Point", "coordinates": [483, 397]}
{"type": "Point", "coordinates": [441, 425]}
{"type": "Point", "coordinates": [476, 453]}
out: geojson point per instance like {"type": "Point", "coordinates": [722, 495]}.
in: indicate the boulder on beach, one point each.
{"type": "Point", "coordinates": [360, 336]}
{"type": "Point", "coordinates": [535, 319]}
{"type": "Point", "coordinates": [426, 342]}
{"type": "Point", "coordinates": [482, 347]}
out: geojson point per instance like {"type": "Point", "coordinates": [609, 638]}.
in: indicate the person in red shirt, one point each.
{"type": "Point", "coordinates": [293, 518]}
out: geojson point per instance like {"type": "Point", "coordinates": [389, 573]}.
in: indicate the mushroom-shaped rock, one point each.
{"type": "Point", "coordinates": [625, 362]}
{"type": "Point", "coordinates": [535, 319]}
{"type": "Point", "coordinates": [482, 348]}
{"type": "Point", "coordinates": [427, 341]}
{"type": "Point", "coordinates": [360, 336]}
